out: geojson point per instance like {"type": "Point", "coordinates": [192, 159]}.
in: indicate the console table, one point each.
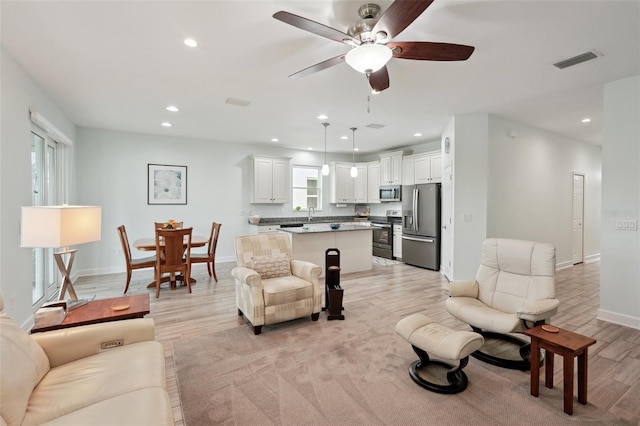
{"type": "Point", "coordinates": [102, 310]}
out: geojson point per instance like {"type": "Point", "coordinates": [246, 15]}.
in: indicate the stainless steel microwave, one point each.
{"type": "Point", "coordinates": [390, 193]}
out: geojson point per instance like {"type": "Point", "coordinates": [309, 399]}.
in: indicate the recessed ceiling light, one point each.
{"type": "Point", "coordinates": [310, 149]}
{"type": "Point", "coordinates": [173, 108]}
{"type": "Point", "coordinates": [165, 124]}
{"type": "Point", "coordinates": [417, 134]}
{"type": "Point", "coordinates": [586, 120]}
{"type": "Point", "coordinates": [356, 149]}
{"type": "Point", "coordinates": [275, 140]}
{"type": "Point", "coordinates": [344, 137]}
{"type": "Point", "coordinates": [322, 117]}
{"type": "Point", "coordinates": [190, 42]}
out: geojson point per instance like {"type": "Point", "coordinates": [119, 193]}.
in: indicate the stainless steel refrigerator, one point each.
{"type": "Point", "coordinates": [421, 225]}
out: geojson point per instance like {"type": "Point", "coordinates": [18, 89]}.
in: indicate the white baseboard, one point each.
{"type": "Point", "coordinates": [617, 318]}
{"type": "Point", "coordinates": [562, 265]}
{"type": "Point", "coordinates": [592, 258]}
{"type": "Point", "coordinates": [569, 263]}
{"type": "Point", "coordinates": [121, 269]}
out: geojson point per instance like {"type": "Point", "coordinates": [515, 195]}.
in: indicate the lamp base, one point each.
{"type": "Point", "coordinates": [73, 304]}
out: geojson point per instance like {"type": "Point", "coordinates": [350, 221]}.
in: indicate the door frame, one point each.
{"type": "Point", "coordinates": [573, 206]}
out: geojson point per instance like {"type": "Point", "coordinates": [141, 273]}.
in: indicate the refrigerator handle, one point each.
{"type": "Point", "coordinates": [422, 240]}
{"type": "Point", "coordinates": [415, 209]}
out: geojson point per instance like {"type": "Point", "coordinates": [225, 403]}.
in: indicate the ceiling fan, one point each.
{"type": "Point", "coordinates": [371, 41]}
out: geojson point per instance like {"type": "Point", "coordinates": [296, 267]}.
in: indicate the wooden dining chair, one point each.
{"type": "Point", "coordinates": [131, 264]}
{"type": "Point", "coordinates": [210, 256]}
{"type": "Point", "coordinates": [175, 248]}
{"type": "Point", "coordinates": [160, 225]}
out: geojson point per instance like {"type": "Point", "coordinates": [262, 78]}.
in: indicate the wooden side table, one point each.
{"type": "Point", "coordinates": [568, 345]}
{"type": "Point", "coordinates": [97, 311]}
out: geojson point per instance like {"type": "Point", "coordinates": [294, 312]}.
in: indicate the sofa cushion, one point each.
{"type": "Point", "coordinates": [272, 266]}
{"type": "Point", "coordinates": [79, 384]}
{"type": "Point", "coordinates": [24, 363]}
{"type": "Point", "coordinates": [150, 406]}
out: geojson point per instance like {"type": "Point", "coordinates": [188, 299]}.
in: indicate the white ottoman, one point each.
{"type": "Point", "coordinates": [426, 336]}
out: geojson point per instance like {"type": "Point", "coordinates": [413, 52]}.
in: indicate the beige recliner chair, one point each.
{"type": "Point", "coordinates": [271, 287]}
{"type": "Point", "coordinates": [514, 290]}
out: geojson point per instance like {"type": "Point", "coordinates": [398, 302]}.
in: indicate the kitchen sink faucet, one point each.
{"type": "Point", "coordinates": [312, 211]}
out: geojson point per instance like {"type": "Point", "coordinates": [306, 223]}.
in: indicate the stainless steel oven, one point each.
{"type": "Point", "coordinates": [382, 240]}
{"type": "Point", "coordinates": [383, 234]}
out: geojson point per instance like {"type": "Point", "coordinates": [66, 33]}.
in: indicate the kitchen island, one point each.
{"type": "Point", "coordinates": [354, 242]}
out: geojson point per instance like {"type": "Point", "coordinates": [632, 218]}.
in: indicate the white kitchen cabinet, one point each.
{"type": "Point", "coordinates": [360, 184]}
{"type": "Point", "coordinates": [271, 180]}
{"type": "Point", "coordinates": [397, 240]}
{"type": "Point", "coordinates": [263, 229]}
{"type": "Point", "coordinates": [391, 168]}
{"type": "Point", "coordinates": [373, 182]}
{"type": "Point", "coordinates": [422, 168]}
{"type": "Point", "coordinates": [407, 170]}
{"type": "Point", "coordinates": [344, 188]}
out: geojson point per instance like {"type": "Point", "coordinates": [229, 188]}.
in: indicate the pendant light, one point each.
{"type": "Point", "coordinates": [354, 170]}
{"type": "Point", "coordinates": [325, 166]}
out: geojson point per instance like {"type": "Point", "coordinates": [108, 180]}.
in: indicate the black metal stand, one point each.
{"type": "Point", "coordinates": [332, 292]}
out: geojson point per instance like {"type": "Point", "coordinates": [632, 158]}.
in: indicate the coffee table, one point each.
{"type": "Point", "coordinates": [568, 345]}
{"type": "Point", "coordinates": [97, 311]}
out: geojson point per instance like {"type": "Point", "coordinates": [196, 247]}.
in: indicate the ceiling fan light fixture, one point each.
{"type": "Point", "coordinates": [325, 166]}
{"type": "Point", "coordinates": [368, 58]}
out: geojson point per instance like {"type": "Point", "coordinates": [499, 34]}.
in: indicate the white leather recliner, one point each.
{"type": "Point", "coordinates": [271, 287]}
{"type": "Point", "coordinates": [514, 290]}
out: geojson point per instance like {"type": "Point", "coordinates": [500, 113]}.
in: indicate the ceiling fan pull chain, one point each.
{"type": "Point", "coordinates": [369, 104]}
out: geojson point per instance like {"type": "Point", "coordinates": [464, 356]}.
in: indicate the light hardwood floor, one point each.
{"type": "Point", "coordinates": [614, 362]}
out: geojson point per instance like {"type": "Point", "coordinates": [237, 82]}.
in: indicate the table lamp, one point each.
{"type": "Point", "coordinates": [59, 227]}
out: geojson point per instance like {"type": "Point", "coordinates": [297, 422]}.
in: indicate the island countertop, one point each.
{"type": "Point", "coordinates": [324, 227]}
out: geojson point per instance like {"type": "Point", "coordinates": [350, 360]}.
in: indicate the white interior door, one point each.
{"type": "Point", "coordinates": [578, 218]}
{"type": "Point", "coordinates": [446, 255]}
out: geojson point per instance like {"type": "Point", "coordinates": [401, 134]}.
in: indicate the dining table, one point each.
{"type": "Point", "coordinates": [149, 244]}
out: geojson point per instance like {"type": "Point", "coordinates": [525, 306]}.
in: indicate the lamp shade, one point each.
{"type": "Point", "coordinates": [368, 58]}
{"type": "Point", "coordinates": [59, 226]}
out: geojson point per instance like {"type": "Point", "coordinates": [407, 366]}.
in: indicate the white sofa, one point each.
{"type": "Point", "coordinates": [63, 377]}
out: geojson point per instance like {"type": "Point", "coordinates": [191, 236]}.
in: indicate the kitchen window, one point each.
{"type": "Point", "coordinates": [307, 187]}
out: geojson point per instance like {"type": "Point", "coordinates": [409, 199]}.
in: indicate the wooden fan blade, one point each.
{"type": "Point", "coordinates": [430, 51]}
{"type": "Point", "coordinates": [319, 66]}
{"type": "Point", "coordinates": [315, 28]}
{"type": "Point", "coordinates": [379, 80]}
{"type": "Point", "coordinates": [399, 16]}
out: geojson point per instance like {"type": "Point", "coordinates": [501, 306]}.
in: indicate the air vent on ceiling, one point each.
{"type": "Point", "coordinates": [375, 126]}
{"type": "Point", "coordinates": [584, 57]}
{"type": "Point", "coordinates": [238, 102]}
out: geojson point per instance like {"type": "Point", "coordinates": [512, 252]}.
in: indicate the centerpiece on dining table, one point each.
{"type": "Point", "coordinates": [170, 224]}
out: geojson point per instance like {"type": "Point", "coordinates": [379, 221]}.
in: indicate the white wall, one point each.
{"type": "Point", "coordinates": [18, 94]}
{"type": "Point", "coordinates": [530, 191]}
{"type": "Point", "coordinates": [113, 166]}
{"type": "Point", "coordinates": [518, 187]}
{"type": "Point", "coordinates": [620, 265]}
{"type": "Point", "coordinates": [470, 170]}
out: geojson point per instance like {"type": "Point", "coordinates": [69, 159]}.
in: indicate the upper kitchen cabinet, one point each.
{"type": "Point", "coordinates": [422, 168]}
{"type": "Point", "coordinates": [271, 180]}
{"type": "Point", "coordinates": [391, 168]}
{"type": "Point", "coordinates": [373, 182]}
{"type": "Point", "coordinates": [345, 189]}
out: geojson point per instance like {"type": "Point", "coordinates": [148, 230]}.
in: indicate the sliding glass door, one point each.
{"type": "Point", "coordinates": [44, 184]}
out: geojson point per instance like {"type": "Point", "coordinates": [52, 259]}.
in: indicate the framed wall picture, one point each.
{"type": "Point", "coordinates": [166, 184]}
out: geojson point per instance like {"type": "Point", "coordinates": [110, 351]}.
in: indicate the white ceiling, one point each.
{"type": "Point", "coordinates": [118, 64]}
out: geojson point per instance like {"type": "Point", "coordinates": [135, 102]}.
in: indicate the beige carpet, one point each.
{"type": "Point", "coordinates": [351, 372]}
